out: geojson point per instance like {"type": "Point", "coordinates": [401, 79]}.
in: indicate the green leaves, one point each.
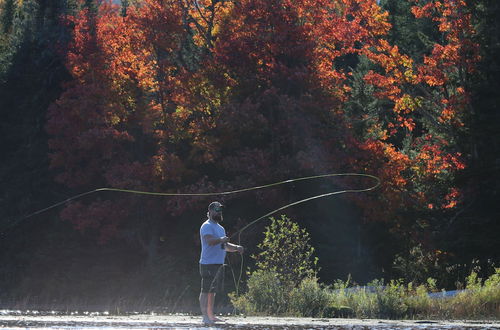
{"type": "Point", "coordinates": [286, 251]}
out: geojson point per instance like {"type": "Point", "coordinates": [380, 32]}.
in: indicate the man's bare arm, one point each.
{"type": "Point", "coordinates": [233, 247]}
{"type": "Point", "coordinates": [212, 240]}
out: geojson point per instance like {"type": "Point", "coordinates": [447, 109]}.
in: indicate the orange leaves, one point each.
{"type": "Point", "coordinates": [398, 71]}
{"type": "Point", "coordinates": [424, 11]}
{"type": "Point", "coordinates": [454, 21]}
{"type": "Point", "coordinates": [388, 87]}
{"type": "Point", "coordinates": [343, 28]}
{"type": "Point", "coordinates": [392, 60]}
{"type": "Point", "coordinates": [438, 78]}
{"type": "Point", "coordinates": [431, 160]}
{"type": "Point", "coordinates": [123, 69]}
{"type": "Point", "coordinates": [452, 198]}
{"type": "Point", "coordinates": [179, 86]}
{"type": "Point", "coordinates": [275, 39]}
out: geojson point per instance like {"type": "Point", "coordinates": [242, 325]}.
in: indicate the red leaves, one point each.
{"type": "Point", "coordinates": [102, 217]}
{"type": "Point", "coordinates": [253, 89]}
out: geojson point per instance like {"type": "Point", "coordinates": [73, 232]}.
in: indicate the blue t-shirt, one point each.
{"type": "Point", "coordinates": [214, 254]}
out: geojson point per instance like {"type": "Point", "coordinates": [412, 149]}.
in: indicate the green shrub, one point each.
{"type": "Point", "coordinates": [286, 272]}
{"type": "Point", "coordinates": [479, 299]}
{"type": "Point", "coordinates": [376, 300]}
{"type": "Point", "coordinates": [285, 283]}
{"type": "Point", "coordinates": [391, 300]}
{"type": "Point", "coordinates": [286, 251]}
{"type": "Point", "coordinates": [418, 300]}
{"type": "Point", "coordinates": [265, 295]}
{"type": "Point", "coordinates": [414, 265]}
{"type": "Point", "coordinates": [309, 299]}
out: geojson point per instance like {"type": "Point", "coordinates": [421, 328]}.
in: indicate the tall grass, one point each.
{"type": "Point", "coordinates": [395, 299]}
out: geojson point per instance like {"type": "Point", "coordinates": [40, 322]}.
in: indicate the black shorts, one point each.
{"type": "Point", "coordinates": [211, 277]}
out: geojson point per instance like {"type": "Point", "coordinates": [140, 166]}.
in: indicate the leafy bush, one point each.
{"type": "Point", "coordinates": [310, 298]}
{"type": "Point", "coordinates": [391, 299]}
{"type": "Point", "coordinates": [418, 299]}
{"type": "Point", "coordinates": [479, 299]}
{"type": "Point", "coordinates": [266, 295]}
{"type": "Point", "coordinates": [397, 300]}
{"type": "Point", "coordinates": [417, 264]}
{"type": "Point", "coordinates": [285, 283]}
{"type": "Point", "coordinates": [286, 272]}
{"type": "Point", "coordinates": [286, 251]}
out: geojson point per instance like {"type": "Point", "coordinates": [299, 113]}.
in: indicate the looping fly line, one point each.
{"type": "Point", "coordinates": [224, 193]}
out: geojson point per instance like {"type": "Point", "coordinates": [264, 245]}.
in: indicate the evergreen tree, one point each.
{"type": "Point", "coordinates": [414, 37]}
{"type": "Point", "coordinates": [125, 4]}
{"type": "Point", "coordinates": [7, 9]}
{"type": "Point", "coordinates": [31, 73]}
{"type": "Point", "coordinates": [474, 231]}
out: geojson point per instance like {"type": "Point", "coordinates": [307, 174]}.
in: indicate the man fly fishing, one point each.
{"type": "Point", "coordinates": [214, 245]}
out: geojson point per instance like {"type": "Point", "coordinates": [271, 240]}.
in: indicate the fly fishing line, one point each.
{"type": "Point", "coordinates": [225, 193]}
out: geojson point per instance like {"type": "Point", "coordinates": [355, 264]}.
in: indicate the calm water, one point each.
{"type": "Point", "coordinates": [13, 319]}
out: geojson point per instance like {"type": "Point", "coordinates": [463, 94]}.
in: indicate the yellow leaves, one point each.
{"type": "Point", "coordinates": [210, 97]}
{"type": "Point", "coordinates": [206, 17]}
{"type": "Point", "coordinates": [376, 131]}
{"type": "Point", "coordinates": [397, 66]}
{"type": "Point", "coordinates": [407, 104]}
{"type": "Point", "coordinates": [113, 118]}
{"type": "Point", "coordinates": [410, 76]}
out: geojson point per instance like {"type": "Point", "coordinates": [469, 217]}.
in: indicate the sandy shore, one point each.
{"type": "Point", "coordinates": [187, 322]}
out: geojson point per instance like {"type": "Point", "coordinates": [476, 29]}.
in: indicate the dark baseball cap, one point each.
{"type": "Point", "coordinates": [215, 206]}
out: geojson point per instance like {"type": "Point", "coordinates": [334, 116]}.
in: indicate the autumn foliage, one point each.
{"type": "Point", "coordinates": [207, 95]}
{"type": "Point", "coordinates": [429, 108]}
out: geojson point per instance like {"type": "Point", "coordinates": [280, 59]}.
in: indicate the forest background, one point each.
{"type": "Point", "coordinates": [213, 95]}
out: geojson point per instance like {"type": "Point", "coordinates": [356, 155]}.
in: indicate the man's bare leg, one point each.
{"type": "Point", "coordinates": [204, 306]}
{"type": "Point", "coordinates": [210, 308]}
{"type": "Point", "coordinates": [210, 305]}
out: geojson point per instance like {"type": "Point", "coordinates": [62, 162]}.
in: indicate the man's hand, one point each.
{"type": "Point", "coordinates": [240, 249]}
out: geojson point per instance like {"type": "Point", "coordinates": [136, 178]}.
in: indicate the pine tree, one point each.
{"type": "Point", "coordinates": [414, 37]}
{"type": "Point", "coordinates": [125, 4]}
{"type": "Point", "coordinates": [479, 217]}
{"type": "Point", "coordinates": [31, 73]}
{"type": "Point", "coordinates": [7, 9]}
